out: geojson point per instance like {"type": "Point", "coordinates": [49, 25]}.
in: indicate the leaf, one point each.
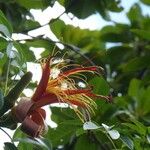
{"type": "Point", "coordinates": [114, 134]}
{"type": "Point", "coordinates": [142, 128]}
{"type": "Point", "coordinates": [80, 131]}
{"type": "Point", "coordinates": [122, 52]}
{"type": "Point", "coordinates": [134, 87]}
{"type": "Point", "coordinates": [127, 141]}
{"type": "Point", "coordinates": [137, 126]}
{"type": "Point", "coordinates": [90, 126]}
{"type": "Point", "coordinates": [74, 122]}
{"type": "Point", "coordinates": [38, 43]}
{"type": "Point", "coordinates": [148, 138]}
{"type": "Point", "coordinates": [135, 14]}
{"type": "Point", "coordinates": [4, 30]}
{"type": "Point", "coordinates": [28, 143]}
{"type": "Point", "coordinates": [84, 143]}
{"type": "Point", "coordinates": [117, 33]}
{"type": "Point", "coordinates": [59, 115]}
{"type": "Point", "coordinates": [9, 51]}
{"type": "Point", "coordinates": [60, 135]}
{"type": "Point", "coordinates": [57, 28]}
{"type": "Point", "coordinates": [35, 142]}
{"type": "Point", "coordinates": [35, 4]}
{"type": "Point", "coordinates": [100, 85]}
{"type": "Point", "coordinates": [25, 54]}
{"type": "Point", "coordinates": [3, 43]}
{"type": "Point", "coordinates": [9, 146]}
{"type": "Point", "coordinates": [1, 55]}
{"type": "Point", "coordinates": [5, 25]}
{"type": "Point", "coordinates": [136, 64]}
{"type": "Point", "coordinates": [82, 38]}
{"type": "Point", "coordinates": [1, 99]}
{"type": "Point", "coordinates": [79, 7]}
{"type": "Point", "coordinates": [30, 25]}
{"type": "Point", "coordinates": [144, 34]}
{"type": "Point", "coordinates": [147, 2]}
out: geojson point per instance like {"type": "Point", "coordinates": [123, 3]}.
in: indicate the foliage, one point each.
{"type": "Point", "coordinates": [126, 64]}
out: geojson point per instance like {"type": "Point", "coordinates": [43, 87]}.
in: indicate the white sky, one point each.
{"type": "Point", "coordinates": [93, 22]}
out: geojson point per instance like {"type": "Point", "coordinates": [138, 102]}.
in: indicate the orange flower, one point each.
{"type": "Point", "coordinates": [57, 86]}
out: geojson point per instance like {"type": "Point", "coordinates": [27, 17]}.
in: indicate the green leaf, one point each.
{"type": "Point", "coordinates": [100, 85]}
{"type": "Point", "coordinates": [60, 135]}
{"type": "Point", "coordinates": [137, 126]}
{"type": "Point", "coordinates": [41, 43]}
{"type": "Point", "coordinates": [1, 99]}
{"type": "Point", "coordinates": [127, 141]}
{"type": "Point", "coordinates": [148, 138]}
{"type": "Point", "coordinates": [79, 7]}
{"type": "Point", "coordinates": [135, 14]}
{"type": "Point", "coordinates": [1, 55]}
{"type": "Point", "coordinates": [144, 34]}
{"type": "Point", "coordinates": [5, 26]}
{"type": "Point", "coordinates": [57, 27]}
{"type": "Point", "coordinates": [26, 55]}
{"type": "Point", "coordinates": [147, 2]}
{"type": "Point", "coordinates": [117, 33]}
{"type": "Point", "coordinates": [9, 146]}
{"type": "Point", "coordinates": [82, 38]}
{"type": "Point", "coordinates": [4, 30]}
{"type": "Point", "coordinates": [59, 115]}
{"type": "Point", "coordinates": [136, 64]}
{"type": "Point", "coordinates": [35, 142]}
{"type": "Point", "coordinates": [76, 123]}
{"type": "Point", "coordinates": [34, 4]}
{"type": "Point", "coordinates": [28, 143]}
{"type": "Point", "coordinates": [9, 50]}
{"type": "Point", "coordinates": [142, 128]}
{"type": "Point", "coordinates": [84, 143]}
{"type": "Point", "coordinates": [80, 131]}
{"type": "Point", "coordinates": [134, 87]}
{"type": "Point", "coordinates": [28, 25]}
{"type": "Point", "coordinates": [3, 43]}
{"type": "Point", "coordinates": [115, 52]}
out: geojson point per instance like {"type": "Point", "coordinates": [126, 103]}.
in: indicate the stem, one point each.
{"type": "Point", "coordinates": [7, 74]}
{"type": "Point", "coordinates": [108, 138]}
{"type": "Point", "coordinates": [111, 141]}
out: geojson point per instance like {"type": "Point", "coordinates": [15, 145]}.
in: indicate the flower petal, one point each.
{"type": "Point", "coordinates": [38, 116]}
{"type": "Point", "coordinates": [43, 82]}
{"type": "Point", "coordinates": [31, 128]}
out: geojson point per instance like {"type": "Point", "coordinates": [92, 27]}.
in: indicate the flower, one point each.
{"type": "Point", "coordinates": [58, 84]}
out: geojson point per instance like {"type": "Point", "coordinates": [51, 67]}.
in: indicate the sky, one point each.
{"type": "Point", "coordinates": [92, 22]}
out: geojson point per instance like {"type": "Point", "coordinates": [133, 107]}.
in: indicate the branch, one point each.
{"type": "Point", "coordinates": [51, 21]}
{"type": "Point", "coordinates": [74, 48]}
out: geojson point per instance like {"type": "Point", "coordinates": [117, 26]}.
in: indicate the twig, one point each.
{"type": "Point", "coordinates": [51, 21]}
{"type": "Point", "coordinates": [76, 50]}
